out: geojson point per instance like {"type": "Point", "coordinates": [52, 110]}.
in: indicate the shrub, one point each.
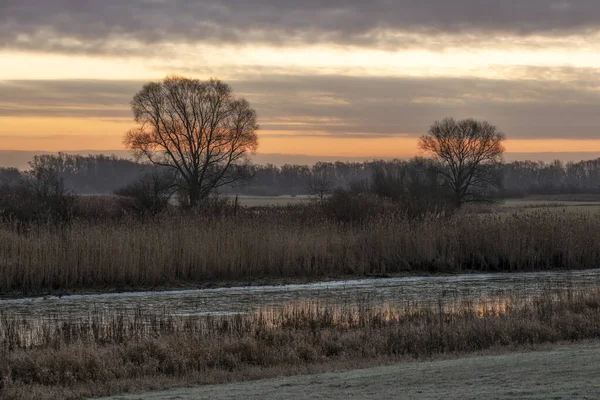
{"type": "Point", "coordinates": [414, 187]}
{"type": "Point", "coordinates": [149, 195]}
{"type": "Point", "coordinates": [36, 198]}
{"type": "Point", "coordinates": [98, 208]}
{"type": "Point", "coordinates": [350, 207]}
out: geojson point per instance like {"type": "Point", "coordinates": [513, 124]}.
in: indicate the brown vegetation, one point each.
{"type": "Point", "coordinates": [71, 359]}
{"type": "Point", "coordinates": [294, 242]}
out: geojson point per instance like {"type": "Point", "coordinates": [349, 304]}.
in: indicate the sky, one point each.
{"type": "Point", "coordinates": [329, 78]}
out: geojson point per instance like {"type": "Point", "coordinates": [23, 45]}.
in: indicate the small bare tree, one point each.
{"type": "Point", "coordinates": [46, 183]}
{"type": "Point", "coordinates": [320, 186]}
{"type": "Point", "coordinates": [470, 154]}
{"type": "Point", "coordinates": [197, 128]}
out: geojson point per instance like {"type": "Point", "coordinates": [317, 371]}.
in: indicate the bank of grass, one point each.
{"type": "Point", "coordinates": [108, 354]}
{"type": "Point", "coordinates": [275, 244]}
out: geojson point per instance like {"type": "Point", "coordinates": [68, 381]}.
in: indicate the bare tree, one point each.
{"type": "Point", "coordinates": [47, 190]}
{"type": "Point", "coordinates": [45, 177]}
{"type": "Point", "coordinates": [198, 128]}
{"type": "Point", "coordinates": [470, 155]}
{"type": "Point", "coordinates": [320, 186]}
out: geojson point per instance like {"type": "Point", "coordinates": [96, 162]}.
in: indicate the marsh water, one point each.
{"type": "Point", "coordinates": [241, 300]}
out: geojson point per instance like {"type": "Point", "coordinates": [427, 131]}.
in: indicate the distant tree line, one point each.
{"type": "Point", "coordinates": [518, 178]}
{"type": "Point", "coordinates": [521, 178]}
{"type": "Point", "coordinates": [92, 174]}
{"type": "Point", "coordinates": [100, 174]}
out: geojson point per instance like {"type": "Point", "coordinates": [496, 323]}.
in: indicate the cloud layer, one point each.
{"type": "Point", "coordinates": [95, 26]}
{"type": "Point", "coordinates": [339, 106]}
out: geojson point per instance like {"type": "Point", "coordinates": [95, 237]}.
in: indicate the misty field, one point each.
{"type": "Point", "coordinates": [577, 204]}
{"type": "Point", "coordinates": [574, 203]}
{"type": "Point", "coordinates": [262, 201]}
{"type": "Point", "coordinates": [105, 354]}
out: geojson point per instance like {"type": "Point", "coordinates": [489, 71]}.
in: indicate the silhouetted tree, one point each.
{"type": "Point", "coordinates": [198, 128]}
{"type": "Point", "coordinates": [94, 174]}
{"type": "Point", "coordinates": [44, 176]}
{"type": "Point", "coordinates": [10, 176]}
{"type": "Point", "coordinates": [48, 187]}
{"type": "Point", "coordinates": [470, 153]}
{"type": "Point", "coordinates": [320, 186]}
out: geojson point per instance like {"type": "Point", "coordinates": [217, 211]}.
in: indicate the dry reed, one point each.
{"type": "Point", "coordinates": [193, 249]}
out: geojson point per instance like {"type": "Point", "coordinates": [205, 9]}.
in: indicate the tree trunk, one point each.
{"type": "Point", "coordinates": [458, 190]}
{"type": "Point", "coordinates": [458, 199]}
{"type": "Point", "coordinates": [194, 196]}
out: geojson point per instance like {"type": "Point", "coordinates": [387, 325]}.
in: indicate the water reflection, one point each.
{"type": "Point", "coordinates": [102, 326]}
{"type": "Point", "coordinates": [393, 292]}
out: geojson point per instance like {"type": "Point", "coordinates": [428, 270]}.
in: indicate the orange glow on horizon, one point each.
{"type": "Point", "coordinates": [52, 134]}
{"type": "Point", "coordinates": [552, 145]}
{"type": "Point", "coordinates": [72, 134]}
{"type": "Point", "coordinates": [56, 134]}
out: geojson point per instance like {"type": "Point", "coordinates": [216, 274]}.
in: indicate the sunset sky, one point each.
{"type": "Point", "coordinates": [327, 78]}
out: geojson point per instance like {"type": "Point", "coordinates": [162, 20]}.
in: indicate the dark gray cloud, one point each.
{"type": "Point", "coordinates": [353, 106]}
{"type": "Point", "coordinates": [67, 98]}
{"type": "Point", "coordinates": [92, 26]}
{"type": "Point", "coordinates": [378, 107]}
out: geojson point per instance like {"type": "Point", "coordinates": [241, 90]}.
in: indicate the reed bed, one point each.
{"type": "Point", "coordinates": [195, 250]}
{"type": "Point", "coordinates": [99, 356]}
{"type": "Point", "coordinates": [104, 326]}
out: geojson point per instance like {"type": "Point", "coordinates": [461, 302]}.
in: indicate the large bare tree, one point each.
{"type": "Point", "coordinates": [198, 128]}
{"type": "Point", "coordinates": [470, 153]}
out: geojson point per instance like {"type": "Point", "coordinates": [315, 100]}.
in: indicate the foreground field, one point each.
{"type": "Point", "coordinates": [73, 359]}
{"type": "Point", "coordinates": [566, 372]}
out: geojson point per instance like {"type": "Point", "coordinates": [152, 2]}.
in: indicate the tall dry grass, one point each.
{"type": "Point", "coordinates": [74, 359]}
{"type": "Point", "coordinates": [195, 249]}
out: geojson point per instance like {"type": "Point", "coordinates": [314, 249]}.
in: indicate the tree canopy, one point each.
{"type": "Point", "coordinates": [198, 128]}
{"type": "Point", "coordinates": [470, 153]}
